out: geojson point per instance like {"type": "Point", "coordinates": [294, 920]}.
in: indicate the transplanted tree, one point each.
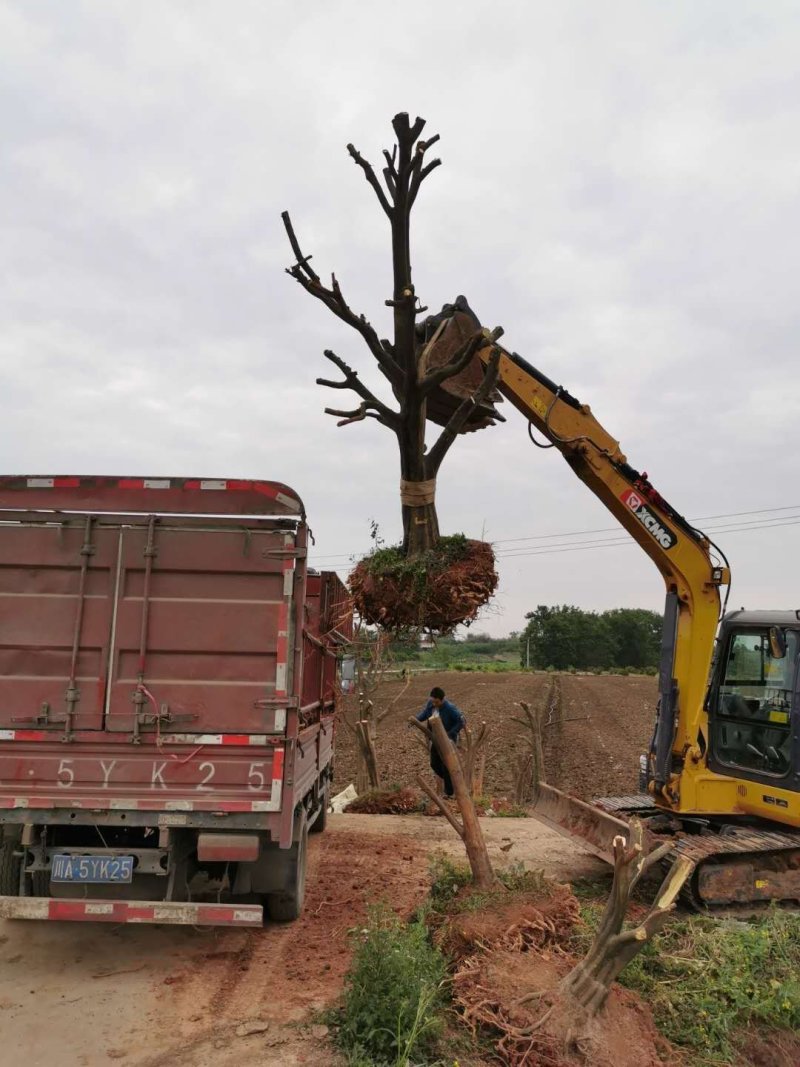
{"type": "Point", "coordinates": [434, 376]}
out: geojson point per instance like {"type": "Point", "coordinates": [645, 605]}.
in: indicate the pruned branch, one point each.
{"type": "Point", "coordinates": [420, 172]}
{"type": "Point", "coordinates": [363, 411]}
{"type": "Point", "coordinates": [352, 381]}
{"type": "Point", "coordinates": [460, 415]}
{"type": "Point", "coordinates": [372, 178]}
{"type": "Point", "coordinates": [440, 804]}
{"type": "Point", "coordinates": [334, 300]}
{"type": "Point", "coordinates": [302, 261]}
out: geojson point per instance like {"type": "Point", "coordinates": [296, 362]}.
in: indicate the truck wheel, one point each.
{"type": "Point", "coordinates": [285, 906]}
{"type": "Point", "coordinates": [9, 869]}
{"type": "Point", "coordinates": [321, 821]}
{"type": "Point", "coordinates": [9, 873]}
{"type": "Point", "coordinates": [40, 883]}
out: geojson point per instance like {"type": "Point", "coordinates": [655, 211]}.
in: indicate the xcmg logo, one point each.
{"type": "Point", "coordinates": [654, 526]}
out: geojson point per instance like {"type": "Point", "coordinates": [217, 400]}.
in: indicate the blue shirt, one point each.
{"type": "Point", "coordinates": [452, 719]}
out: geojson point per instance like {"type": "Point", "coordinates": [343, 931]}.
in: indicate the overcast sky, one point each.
{"type": "Point", "coordinates": [619, 191]}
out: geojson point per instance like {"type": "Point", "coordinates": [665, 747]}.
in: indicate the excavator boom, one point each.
{"type": "Point", "coordinates": [723, 768]}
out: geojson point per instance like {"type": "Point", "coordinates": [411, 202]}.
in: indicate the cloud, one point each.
{"type": "Point", "coordinates": [618, 191]}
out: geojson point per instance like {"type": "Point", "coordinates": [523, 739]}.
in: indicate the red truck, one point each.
{"type": "Point", "coordinates": [168, 679]}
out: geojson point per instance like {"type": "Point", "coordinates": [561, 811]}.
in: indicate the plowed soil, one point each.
{"type": "Point", "coordinates": [596, 727]}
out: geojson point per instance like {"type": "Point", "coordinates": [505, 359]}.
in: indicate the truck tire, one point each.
{"type": "Point", "coordinates": [321, 821]}
{"type": "Point", "coordinates": [286, 906]}
{"type": "Point", "coordinates": [9, 869]}
{"type": "Point", "coordinates": [9, 873]}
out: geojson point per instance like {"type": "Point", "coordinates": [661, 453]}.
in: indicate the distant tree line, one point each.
{"type": "Point", "coordinates": [447, 652]}
{"type": "Point", "coordinates": [564, 636]}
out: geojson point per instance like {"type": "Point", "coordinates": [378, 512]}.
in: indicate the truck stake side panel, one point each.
{"type": "Point", "coordinates": [168, 668]}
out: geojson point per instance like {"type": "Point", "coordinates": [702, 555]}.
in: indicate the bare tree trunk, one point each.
{"type": "Point", "coordinates": [420, 529]}
{"type": "Point", "coordinates": [368, 752]}
{"type": "Point", "coordinates": [587, 985]}
{"type": "Point", "coordinates": [590, 980]}
{"type": "Point", "coordinates": [402, 361]}
{"type": "Point", "coordinates": [477, 780]}
{"type": "Point", "coordinates": [469, 829]}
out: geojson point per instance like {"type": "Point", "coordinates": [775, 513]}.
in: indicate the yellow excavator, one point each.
{"type": "Point", "coordinates": [722, 773]}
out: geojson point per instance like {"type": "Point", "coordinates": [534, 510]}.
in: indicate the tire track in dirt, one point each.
{"type": "Point", "coordinates": [611, 722]}
{"type": "Point", "coordinates": [552, 735]}
{"type": "Point", "coordinates": [283, 972]}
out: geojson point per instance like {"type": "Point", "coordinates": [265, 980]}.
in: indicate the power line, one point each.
{"type": "Point", "coordinates": [610, 529]}
{"type": "Point", "coordinates": [615, 542]}
{"type": "Point", "coordinates": [603, 529]}
{"type": "Point", "coordinates": [755, 524]}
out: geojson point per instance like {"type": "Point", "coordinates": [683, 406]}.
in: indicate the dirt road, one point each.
{"type": "Point", "coordinates": [82, 994]}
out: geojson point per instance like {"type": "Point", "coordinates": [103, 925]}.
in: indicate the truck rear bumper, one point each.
{"type": "Point", "coordinates": [138, 911]}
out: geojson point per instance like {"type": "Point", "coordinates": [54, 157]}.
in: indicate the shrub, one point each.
{"type": "Point", "coordinates": [394, 992]}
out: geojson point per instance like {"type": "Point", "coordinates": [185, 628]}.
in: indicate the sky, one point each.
{"type": "Point", "coordinates": [619, 191]}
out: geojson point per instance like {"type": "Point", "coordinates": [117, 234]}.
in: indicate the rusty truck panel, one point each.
{"type": "Point", "coordinates": [165, 661]}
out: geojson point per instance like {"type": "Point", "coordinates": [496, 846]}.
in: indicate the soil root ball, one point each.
{"type": "Point", "coordinates": [444, 588]}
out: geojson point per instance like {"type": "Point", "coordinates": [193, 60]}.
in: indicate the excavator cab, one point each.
{"type": "Point", "coordinates": [753, 703]}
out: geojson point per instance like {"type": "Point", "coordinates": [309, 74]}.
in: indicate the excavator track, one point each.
{"type": "Point", "coordinates": [735, 864]}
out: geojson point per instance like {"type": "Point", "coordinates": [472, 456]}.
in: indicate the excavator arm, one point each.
{"type": "Point", "coordinates": [681, 553]}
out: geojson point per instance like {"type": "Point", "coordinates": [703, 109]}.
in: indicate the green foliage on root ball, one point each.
{"type": "Point", "coordinates": [386, 562]}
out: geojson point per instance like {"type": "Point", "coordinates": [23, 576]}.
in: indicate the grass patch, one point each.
{"type": "Point", "coordinates": [708, 980]}
{"type": "Point", "coordinates": [451, 883]}
{"type": "Point", "coordinates": [394, 1000]}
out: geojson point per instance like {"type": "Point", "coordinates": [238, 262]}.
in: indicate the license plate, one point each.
{"type": "Point", "coordinates": [93, 869]}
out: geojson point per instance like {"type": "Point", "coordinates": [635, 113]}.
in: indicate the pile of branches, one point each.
{"type": "Point", "coordinates": [405, 801]}
{"type": "Point", "coordinates": [437, 591]}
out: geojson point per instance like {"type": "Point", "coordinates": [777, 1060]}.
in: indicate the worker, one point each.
{"type": "Point", "coordinates": [453, 721]}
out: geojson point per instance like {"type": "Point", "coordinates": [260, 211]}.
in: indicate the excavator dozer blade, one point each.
{"type": "Point", "coordinates": [571, 817]}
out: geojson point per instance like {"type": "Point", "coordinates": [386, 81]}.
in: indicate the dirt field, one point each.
{"type": "Point", "coordinates": [597, 727]}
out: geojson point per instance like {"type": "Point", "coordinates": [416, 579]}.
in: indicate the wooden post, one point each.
{"type": "Point", "coordinates": [368, 750]}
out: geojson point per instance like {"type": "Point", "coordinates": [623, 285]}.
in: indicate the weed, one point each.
{"type": "Point", "coordinates": [707, 980]}
{"type": "Point", "coordinates": [451, 883]}
{"type": "Point", "coordinates": [394, 995]}
{"type": "Point", "coordinates": [448, 879]}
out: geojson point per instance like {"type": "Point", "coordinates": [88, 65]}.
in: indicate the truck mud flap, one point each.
{"type": "Point", "coordinates": [573, 818]}
{"type": "Point", "coordinates": [123, 911]}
